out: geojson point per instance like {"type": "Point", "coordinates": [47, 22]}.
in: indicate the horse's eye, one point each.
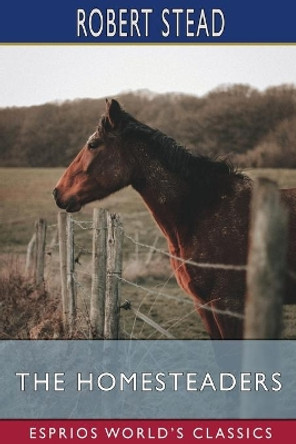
{"type": "Point", "coordinates": [93, 145]}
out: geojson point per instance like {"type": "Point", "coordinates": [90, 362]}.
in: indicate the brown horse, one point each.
{"type": "Point", "coordinates": [201, 205]}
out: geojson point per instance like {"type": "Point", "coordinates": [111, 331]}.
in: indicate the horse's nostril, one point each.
{"type": "Point", "coordinates": [55, 193]}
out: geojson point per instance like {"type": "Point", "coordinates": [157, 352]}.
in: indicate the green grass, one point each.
{"type": "Point", "coordinates": [25, 195]}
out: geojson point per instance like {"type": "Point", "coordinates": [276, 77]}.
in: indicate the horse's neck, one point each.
{"type": "Point", "coordinates": [166, 196]}
{"type": "Point", "coordinates": [173, 200]}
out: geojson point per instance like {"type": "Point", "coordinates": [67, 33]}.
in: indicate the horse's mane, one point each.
{"type": "Point", "coordinates": [196, 169]}
{"type": "Point", "coordinates": [179, 160]}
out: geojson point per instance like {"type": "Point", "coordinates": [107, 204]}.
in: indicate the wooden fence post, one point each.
{"type": "Point", "coordinates": [114, 269]}
{"type": "Point", "coordinates": [40, 227]}
{"type": "Point", "coordinates": [30, 257]}
{"type": "Point", "coordinates": [67, 264]}
{"type": "Point", "coordinates": [266, 263]}
{"type": "Point", "coordinates": [98, 288]}
{"type": "Point", "coordinates": [62, 230]}
{"type": "Point", "coordinates": [70, 274]}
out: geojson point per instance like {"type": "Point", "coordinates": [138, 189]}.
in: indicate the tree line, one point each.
{"type": "Point", "coordinates": [252, 128]}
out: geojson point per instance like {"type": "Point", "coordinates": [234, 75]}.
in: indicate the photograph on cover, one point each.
{"type": "Point", "coordinates": [169, 140]}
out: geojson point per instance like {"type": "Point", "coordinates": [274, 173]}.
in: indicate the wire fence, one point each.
{"type": "Point", "coordinates": [105, 296]}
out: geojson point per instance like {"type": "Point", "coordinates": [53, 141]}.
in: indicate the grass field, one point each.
{"type": "Point", "coordinates": [25, 195]}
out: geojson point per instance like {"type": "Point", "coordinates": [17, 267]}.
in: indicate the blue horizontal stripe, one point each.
{"type": "Point", "coordinates": [148, 21]}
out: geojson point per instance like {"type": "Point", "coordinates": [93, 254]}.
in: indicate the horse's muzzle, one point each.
{"type": "Point", "coordinates": [55, 193]}
{"type": "Point", "coordinates": [70, 205]}
{"type": "Point", "coordinates": [59, 203]}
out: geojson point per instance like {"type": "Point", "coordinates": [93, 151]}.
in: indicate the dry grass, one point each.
{"type": "Point", "coordinates": [26, 312]}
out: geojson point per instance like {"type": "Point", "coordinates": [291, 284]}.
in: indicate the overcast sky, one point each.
{"type": "Point", "coordinates": [31, 75]}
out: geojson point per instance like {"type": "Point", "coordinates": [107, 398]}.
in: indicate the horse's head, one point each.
{"type": "Point", "coordinates": [100, 168]}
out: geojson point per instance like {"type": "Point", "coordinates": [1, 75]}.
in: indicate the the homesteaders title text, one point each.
{"type": "Point", "coordinates": [149, 381]}
{"type": "Point", "coordinates": [177, 23]}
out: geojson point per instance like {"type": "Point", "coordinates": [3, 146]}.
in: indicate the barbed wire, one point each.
{"type": "Point", "coordinates": [80, 223]}
{"type": "Point", "coordinates": [199, 306]}
{"type": "Point", "coordinates": [82, 249]}
{"type": "Point", "coordinates": [52, 226]}
{"type": "Point", "coordinates": [189, 261]}
{"type": "Point", "coordinates": [88, 226]}
{"type": "Point", "coordinates": [154, 292]}
{"type": "Point", "coordinates": [178, 321]}
{"type": "Point", "coordinates": [137, 214]}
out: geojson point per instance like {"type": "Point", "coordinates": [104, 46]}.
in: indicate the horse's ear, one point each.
{"type": "Point", "coordinates": [113, 112]}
